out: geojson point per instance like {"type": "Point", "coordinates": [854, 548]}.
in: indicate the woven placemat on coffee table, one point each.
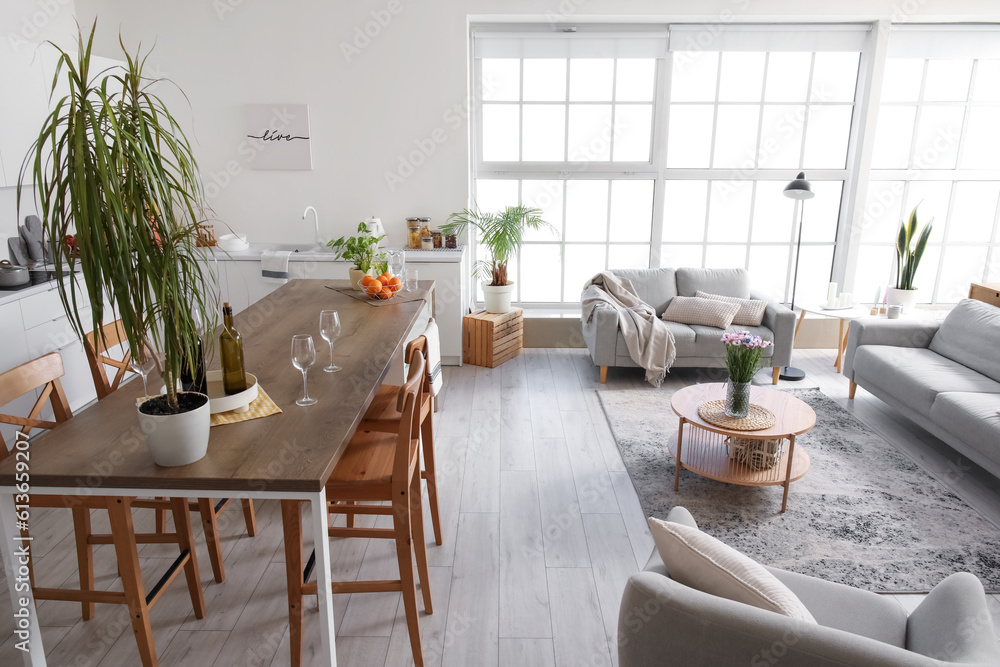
{"type": "Point", "coordinates": [759, 417]}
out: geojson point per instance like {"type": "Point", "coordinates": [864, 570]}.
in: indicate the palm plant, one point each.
{"type": "Point", "coordinates": [118, 168]}
{"type": "Point", "coordinates": [502, 233]}
{"type": "Point", "coordinates": [908, 256]}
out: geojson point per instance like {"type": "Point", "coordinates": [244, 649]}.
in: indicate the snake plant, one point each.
{"type": "Point", "coordinates": [908, 255]}
{"type": "Point", "coordinates": [112, 166]}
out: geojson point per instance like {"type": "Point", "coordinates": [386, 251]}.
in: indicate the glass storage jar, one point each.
{"type": "Point", "coordinates": [436, 239]}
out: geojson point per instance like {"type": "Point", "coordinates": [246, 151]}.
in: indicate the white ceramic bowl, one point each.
{"type": "Point", "coordinates": [233, 242]}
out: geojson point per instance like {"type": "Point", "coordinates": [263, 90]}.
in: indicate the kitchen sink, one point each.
{"type": "Point", "coordinates": [298, 247]}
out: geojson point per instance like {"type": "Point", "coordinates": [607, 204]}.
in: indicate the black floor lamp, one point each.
{"type": "Point", "coordinates": [800, 190]}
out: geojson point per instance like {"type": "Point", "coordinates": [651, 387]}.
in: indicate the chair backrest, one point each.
{"type": "Point", "coordinates": [417, 346]}
{"type": "Point", "coordinates": [43, 372]}
{"type": "Point", "coordinates": [96, 346]}
{"type": "Point", "coordinates": [410, 396]}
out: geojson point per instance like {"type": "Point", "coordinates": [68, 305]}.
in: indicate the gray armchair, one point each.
{"type": "Point", "coordinates": [662, 622]}
{"type": "Point", "coordinates": [697, 346]}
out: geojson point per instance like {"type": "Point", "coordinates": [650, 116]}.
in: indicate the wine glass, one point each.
{"type": "Point", "coordinates": [303, 357]}
{"type": "Point", "coordinates": [143, 364]}
{"type": "Point", "coordinates": [329, 328]}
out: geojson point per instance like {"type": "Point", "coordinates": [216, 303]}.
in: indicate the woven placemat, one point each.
{"type": "Point", "coordinates": [759, 417]}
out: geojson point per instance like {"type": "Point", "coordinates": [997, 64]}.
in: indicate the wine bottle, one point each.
{"type": "Point", "coordinates": [234, 378]}
{"type": "Point", "coordinates": [193, 371]}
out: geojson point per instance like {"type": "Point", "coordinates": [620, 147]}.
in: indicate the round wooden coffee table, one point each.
{"type": "Point", "coordinates": [702, 447]}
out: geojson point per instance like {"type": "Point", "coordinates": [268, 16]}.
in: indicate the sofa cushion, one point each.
{"type": "Point", "coordinates": [683, 339]}
{"type": "Point", "coordinates": [975, 418]}
{"type": "Point", "coordinates": [654, 286]}
{"type": "Point", "coordinates": [970, 335]}
{"type": "Point", "coordinates": [725, 282]}
{"type": "Point", "coordinates": [916, 375]}
{"type": "Point", "coordinates": [751, 312]}
{"type": "Point", "coordinates": [702, 562]}
{"type": "Point", "coordinates": [708, 312]}
{"type": "Point", "coordinates": [707, 341]}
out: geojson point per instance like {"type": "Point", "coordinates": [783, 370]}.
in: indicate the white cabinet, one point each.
{"type": "Point", "coordinates": [13, 352]}
{"type": "Point", "coordinates": [246, 285]}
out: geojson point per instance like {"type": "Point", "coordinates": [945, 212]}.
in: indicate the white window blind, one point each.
{"type": "Point", "coordinates": [768, 37]}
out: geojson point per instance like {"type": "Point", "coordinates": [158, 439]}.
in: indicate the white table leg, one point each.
{"type": "Point", "coordinates": [11, 547]}
{"type": "Point", "coordinates": [324, 585]}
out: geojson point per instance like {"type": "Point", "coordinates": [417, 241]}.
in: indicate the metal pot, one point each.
{"type": "Point", "coordinates": [11, 275]}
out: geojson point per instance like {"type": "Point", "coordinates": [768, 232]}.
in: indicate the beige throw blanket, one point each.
{"type": "Point", "coordinates": [650, 342]}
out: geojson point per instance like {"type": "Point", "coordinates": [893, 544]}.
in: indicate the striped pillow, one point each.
{"type": "Point", "coordinates": [751, 312]}
{"type": "Point", "coordinates": [701, 562]}
{"type": "Point", "coordinates": [707, 312]}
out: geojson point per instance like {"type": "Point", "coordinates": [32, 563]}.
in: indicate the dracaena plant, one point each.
{"type": "Point", "coordinates": [361, 249]}
{"type": "Point", "coordinates": [112, 164]}
{"type": "Point", "coordinates": [502, 233]}
{"type": "Point", "coordinates": [910, 250]}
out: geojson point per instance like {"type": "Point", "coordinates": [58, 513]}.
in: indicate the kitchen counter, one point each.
{"type": "Point", "coordinates": [252, 254]}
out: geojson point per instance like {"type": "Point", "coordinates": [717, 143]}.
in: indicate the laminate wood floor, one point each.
{"type": "Point", "coordinates": [542, 529]}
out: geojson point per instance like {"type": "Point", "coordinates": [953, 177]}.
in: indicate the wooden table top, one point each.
{"type": "Point", "coordinates": [296, 450]}
{"type": "Point", "coordinates": [792, 416]}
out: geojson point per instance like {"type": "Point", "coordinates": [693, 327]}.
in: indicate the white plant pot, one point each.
{"type": "Point", "coordinates": [177, 440]}
{"type": "Point", "coordinates": [497, 297]}
{"type": "Point", "coordinates": [356, 276]}
{"type": "Point", "coordinates": [907, 298]}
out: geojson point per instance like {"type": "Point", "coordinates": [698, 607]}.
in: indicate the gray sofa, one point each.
{"type": "Point", "coordinates": [663, 622]}
{"type": "Point", "coordinates": [697, 346]}
{"type": "Point", "coordinates": [945, 376]}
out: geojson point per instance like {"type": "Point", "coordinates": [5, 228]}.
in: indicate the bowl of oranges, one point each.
{"type": "Point", "coordinates": [383, 287]}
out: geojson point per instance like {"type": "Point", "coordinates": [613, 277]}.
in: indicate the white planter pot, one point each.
{"type": "Point", "coordinates": [907, 298]}
{"type": "Point", "coordinates": [356, 276]}
{"type": "Point", "coordinates": [177, 440]}
{"type": "Point", "coordinates": [497, 297]}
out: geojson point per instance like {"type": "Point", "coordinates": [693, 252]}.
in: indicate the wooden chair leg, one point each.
{"type": "Point", "coordinates": [185, 542]}
{"type": "Point", "coordinates": [123, 533]}
{"type": "Point", "coordinates": [207, 512]}
{"type": "Point", "coordinates": [291, 520]}
{"type": "Point", "coordinates": [404, 555]}
{"type": "Point", "coordinates": [161, 519]}
{"type": "Point", "coordinates": [349, 518]}
{"type": "Point", "coordinates": [249, 517]}
{"type": "Point", "coordinates": [430, 474]}
{"type": "Point", "coordinates": [854, 388]}
{"type": "Point", "coordinates": [775, 374]}
{"type": "Point", "coordinates": [604, 374]}
{"type": "Point", "coordinates": [84, 556]}
{"type": "Point", "coordinates": [420, 542]}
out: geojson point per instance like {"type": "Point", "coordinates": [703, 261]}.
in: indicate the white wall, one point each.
{"type": "Point", "coordinates": [407, 82]}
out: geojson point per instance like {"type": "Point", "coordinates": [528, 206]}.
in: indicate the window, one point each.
{"type": "Point", "coordinates": [936, 144]}
{"type": "Point", "coordinates": [644, 151]}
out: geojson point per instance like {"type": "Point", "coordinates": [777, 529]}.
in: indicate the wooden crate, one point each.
{"type": "Point", "coordinates": [988, 292]}
{"type": "Point", "coordinates": [490, 339]}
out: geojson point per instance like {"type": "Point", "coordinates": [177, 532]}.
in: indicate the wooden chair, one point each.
{"type": "Point", "coordinates": [383, 416]}
{"type": "Point", "coordinates": [44, 372]}
{"type": "Point", "coordinates": [97, 347]}
{"type": "Point", "coordinates": [374, 467]}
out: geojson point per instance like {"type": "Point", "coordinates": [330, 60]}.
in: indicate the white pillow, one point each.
{"type": "Point", "coordinates": [751, 312]}
{"type": "Point", "coordinates": [700, 561]}
{"type": "Point", "coordinates": [707, 312]}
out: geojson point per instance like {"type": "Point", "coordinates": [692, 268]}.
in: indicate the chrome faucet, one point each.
{"type": "Point", "coordinates": [317, 239]}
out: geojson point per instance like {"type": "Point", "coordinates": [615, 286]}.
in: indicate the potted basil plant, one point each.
{"type": "Point", "coordinates": [113, 168]}
{"type": "Point", "coordinates": [363, 251]}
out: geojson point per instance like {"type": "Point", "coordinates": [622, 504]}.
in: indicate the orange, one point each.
{"type": "Point", "coordinates": [374, 287]}
{"type": "Point", "coordinates": [385, 294]}
{"type": "Point", "coordinates": [366, 280]}
{"type": "Point", "coordinates": [385, 278]}
{"type": "Point", "coordinates": [395, 283]}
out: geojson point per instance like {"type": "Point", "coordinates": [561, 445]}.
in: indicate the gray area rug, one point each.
{"type": "Point", "coordinates": [864, 515]}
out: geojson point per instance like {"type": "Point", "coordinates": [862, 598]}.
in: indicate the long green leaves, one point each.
{"type": "Point", "coordinates": [502, 233]}
{"type": "Point", "coordinates": [116, 169]}
{"type": "Point", "coordinates": [907, 256]}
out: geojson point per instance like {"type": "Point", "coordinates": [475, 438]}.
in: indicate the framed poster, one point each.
{"type": "Point", "coordinates": [279, 136]}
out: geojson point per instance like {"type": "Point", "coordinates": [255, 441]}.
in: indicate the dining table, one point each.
{"type": "Point", "coordinates": [287, 456]}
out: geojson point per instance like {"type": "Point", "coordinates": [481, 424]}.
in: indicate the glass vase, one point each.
{"type": "Point", "coordinates": [737, 399]}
